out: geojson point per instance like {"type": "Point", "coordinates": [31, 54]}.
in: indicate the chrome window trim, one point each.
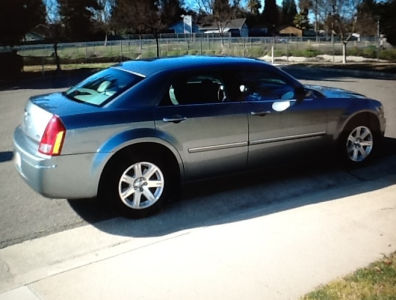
{"type": "Point", "coordinates": [129, 71]}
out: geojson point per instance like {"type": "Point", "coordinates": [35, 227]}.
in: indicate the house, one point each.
{"type": "Point", "coordinates": [291, 31]}
{"type": "Point", "coordinates": [237, 28]}
{"type": "Point", "coordinates": [33, 37]}
{"type": "Point", "coordinates": [181, 27]}
{"type": "Point", "coordinates": [258, 30]}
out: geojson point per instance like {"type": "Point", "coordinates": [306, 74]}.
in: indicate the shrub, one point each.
{"type": "Point", "coordinates": [11, 64]}
{"type": "Point", "coordinates": [388, 54]}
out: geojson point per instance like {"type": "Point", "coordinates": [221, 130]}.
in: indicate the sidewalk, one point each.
{"type": "Point", "coordinates": [275, 252]}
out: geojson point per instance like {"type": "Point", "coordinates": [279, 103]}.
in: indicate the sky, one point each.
{"type": "Point", "coordinates": [190, 3]}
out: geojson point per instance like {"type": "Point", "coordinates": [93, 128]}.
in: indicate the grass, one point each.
{"type": "Point", "coordinates": [80, 56]}
{"type": "Point", "coordinates": [377, 281]}
{"type": "Point", "coordinates": [80, 53]}
{"type": "Point", "coordinates": [66, 67]}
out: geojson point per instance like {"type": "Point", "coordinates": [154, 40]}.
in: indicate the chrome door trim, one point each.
{"type": "Point", "coordinates": [287, 138]}
{"type": "Point", "coordinates": [217, 147]}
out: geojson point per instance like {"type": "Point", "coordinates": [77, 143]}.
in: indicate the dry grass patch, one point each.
{"type": "Point", "coordinates": [377, 281]}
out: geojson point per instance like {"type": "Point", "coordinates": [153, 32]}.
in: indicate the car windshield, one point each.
{"type": "Point", "coordinates": [102, 86]}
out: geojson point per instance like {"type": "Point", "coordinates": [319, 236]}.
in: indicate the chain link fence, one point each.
{"type": "Point", "coordinates": [273, 49]}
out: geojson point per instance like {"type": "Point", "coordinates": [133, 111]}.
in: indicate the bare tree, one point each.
{"type": "Point", "coordinates": [219, 12]}
{"type": "Point", "coordinates": [103, 16]}
{"type": "Point", "coordinates": [139, 16]}
{"type": "Point", "coordinates": [340, 17]}
{"type": "Point", "coordinates": [54, 29]}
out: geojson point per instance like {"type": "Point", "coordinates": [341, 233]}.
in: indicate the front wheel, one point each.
{"type": "Point", "coordinates": [138, 186]}
{"type": "Point", "coordinates": [357, 143]}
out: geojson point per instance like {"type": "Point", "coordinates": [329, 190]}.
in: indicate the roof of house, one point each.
{"type": "Point", "coordinates": [289, 27]}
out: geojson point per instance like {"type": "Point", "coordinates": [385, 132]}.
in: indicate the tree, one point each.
{"type": "Point", "coordinates": [305, 6]}
{"type": "Point", "coordinates": [366, 24]}
{"type": "Point", "coordinates": [77, 18]}
{"type": "Point", "coordinates": [171, 11]}
{"type": "Point", "coordinates": [254, 6]}
{"type": "Point", "coordinates": [18, 17]}
{"type": "Point", "coordinates": [386, 16]}
{"type": "Point", "coordinates": [139, 16]}
{"type": "Point", "coordinates": [223, 13]}
{"type": "Point", "coordinates": [301, 21]}
{"type": "Point", "coordinates": [103, 16]}
{"type": "Point", "coordinates": [341, 17]}
{"type": "Point", "coordinates": [270, 15]}
{"type": "Point", "coordinates": [219, 12]}
{"type": "Point", "coordinates": [289, 11]}
{"type": "Point", "coordinates": [54, 29]}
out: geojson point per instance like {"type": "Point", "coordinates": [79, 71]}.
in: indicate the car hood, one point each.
{"type": "Point", "coordinates": [331, 92]}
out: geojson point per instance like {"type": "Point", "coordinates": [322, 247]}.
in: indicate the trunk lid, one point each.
{"type": "Point", "coordinates": [40, 109]}
{"type": "Point", "coordinates": [35, 120]}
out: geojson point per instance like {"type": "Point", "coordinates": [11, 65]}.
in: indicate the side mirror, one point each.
{"type": "Point", "coordinates": [300, 93]}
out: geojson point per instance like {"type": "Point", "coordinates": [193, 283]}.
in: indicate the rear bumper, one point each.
{"type": "Point", "coordinates": [65, 176]}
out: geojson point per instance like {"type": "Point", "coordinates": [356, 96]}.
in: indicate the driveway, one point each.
{"type": "Point", "coordinates": [25, 215]}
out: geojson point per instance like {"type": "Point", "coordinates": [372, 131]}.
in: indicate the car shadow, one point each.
{"type": "Point", "coordinates": [250, 194]}
{"type": "Point", "coordinates": [6, 156]}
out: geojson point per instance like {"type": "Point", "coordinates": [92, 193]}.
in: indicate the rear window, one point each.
{"type": "Point", "coordinates": [103, 86]}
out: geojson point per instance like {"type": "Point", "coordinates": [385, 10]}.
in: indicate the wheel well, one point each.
{"type": "Point", "coordinates": [366, 118]}
{"type": "Point", "coordinates": [150, 148]}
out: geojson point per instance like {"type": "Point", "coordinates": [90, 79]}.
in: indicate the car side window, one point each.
{"type": "Point", "coordinates": [196, 89]}
{"type": "Point", "coordinates": [261, 86]}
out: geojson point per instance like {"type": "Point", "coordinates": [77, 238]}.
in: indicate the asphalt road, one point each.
{"type": "Point", "coordinates": [25, 215]}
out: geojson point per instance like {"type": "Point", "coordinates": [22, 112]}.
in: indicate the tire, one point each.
{"type": "Point", "coordinates": [357, 143]}
{"type": "Point", "coordinates": [137, 184]}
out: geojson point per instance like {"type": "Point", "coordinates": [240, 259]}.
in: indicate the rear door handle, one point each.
{"type": "Point", "coordinates": [174, 119]}
{"type": "Point", "coordinates": [260, 113]}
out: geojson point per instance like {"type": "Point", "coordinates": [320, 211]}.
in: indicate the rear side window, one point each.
{"type": "Point", "coordinates": [197, 89]}
{"type": "Point", "coordinates": [103, 86]}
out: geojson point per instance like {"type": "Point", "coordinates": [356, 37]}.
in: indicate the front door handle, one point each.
{"type": "Point", "coordinates": [174, 119]}
{"type": "Point", "coordinates": [260, 113]}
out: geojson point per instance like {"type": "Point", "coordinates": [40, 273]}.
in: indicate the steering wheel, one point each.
{"type": "Point", "coordinates": [88, 91]}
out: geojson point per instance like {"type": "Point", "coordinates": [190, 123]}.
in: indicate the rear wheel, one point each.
{"type": "Point", "coordinates": [137, 184]}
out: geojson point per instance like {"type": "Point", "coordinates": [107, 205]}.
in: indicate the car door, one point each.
{"type": "Point", "coordinates": [209, 132]}
{"type": "Point", "coordinates": [279, 125]}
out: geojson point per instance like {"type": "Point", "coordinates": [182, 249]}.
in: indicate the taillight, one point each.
{"type": "Point", "coordinates": [52, 141]}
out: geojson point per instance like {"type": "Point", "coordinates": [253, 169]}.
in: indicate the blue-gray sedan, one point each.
{"type": "Point", "coordinates": [129, 134]}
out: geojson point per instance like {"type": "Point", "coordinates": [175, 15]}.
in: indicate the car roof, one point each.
{"type": "Point", "coordinates": [152, 66]}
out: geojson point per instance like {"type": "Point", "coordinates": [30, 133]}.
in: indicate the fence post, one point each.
{"type": "Point", "coordinates": [42, 66]}
{"type": "Point", "coordinates": [120, 50]}
{"type": "Point", "coordinates": [86, 52]}
{"type": "Point", "coordinates": [287, 50]}
{"type": "Point", "coordinates": [272, 53]}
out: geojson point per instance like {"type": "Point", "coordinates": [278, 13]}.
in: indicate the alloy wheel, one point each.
{"type": "Point", "coordinates": [141, 185]}
{"type": "Point", "coordinates": [359, 144]}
